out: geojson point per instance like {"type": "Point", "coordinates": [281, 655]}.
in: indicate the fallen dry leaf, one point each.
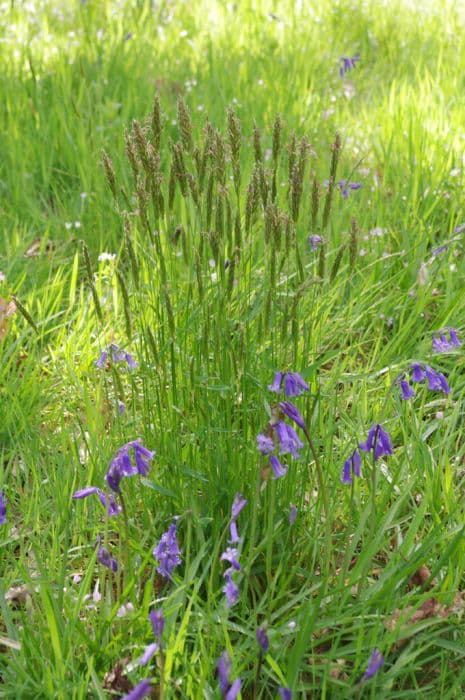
{"type": "Point", "coordinates": [34, 249]}
{"type": "Point", "coordinates": [116, 680]}
{"type": "Point", "coordinates": [18, 596]}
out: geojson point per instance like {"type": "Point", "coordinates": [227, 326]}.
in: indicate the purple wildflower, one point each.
{"type": "Point", "coordinates": [121, 464]}
{"type": "Point", "coordinates": [230, 555]}
{"type": "Point", "coordinates": [351, 466]}
{"type": "Point", "coordinates": [117, 355]}
{"type": "Point", "coordinates": [344, 187]}
{"type": "Point", "coordinates": [436, 380]}
{"type": "Point", "coordinates": [278, 469]}
{"type": "Point", "coordinates": [106, 499]}
{"type": "Point", "coordinates": [460, 228]}
{"type": "Point", "coordinates": [293, 413]}
{"type": "Point", "coordinates": [101, 363]}
{"type": "Point", "coordinates": [262, 639]}
{"type": "Point", "coordinates": [314, 242]}
{"type": "Point", "coordinates": [150, 650]}
{"type": "Point", "coordinates": [167, 552]}
{"type": "Point", "coordinates": [132, 364]}
{"type": "Point", "coordinates": [237, 506]}
{"type": "Point", "coordinates": [418, 373]}
{"type": "Point", "coordinates": [3, 503]}
{"type": "Point", "coordinates": [158, 622]}
{"type": "Point", "coordinates": [230, 589]}
{"type": "Point", "coordinates": [374, 664]}
{"type": "Point", "coordinates": [439, 250]}
{"type": "Point", "coordinates": [141, 690]}
{"type": "Point", "coordinates": [230, 692]}
{"type": "Point", "coordinates": [443, 344]}
{"type": "Point", "coordinates": [347, 63]}
{"type": "Point", "coordinates": [406, 390]}
{"type": "Point", "coordinates": [104, 557]}
{"type": "Point", "coordinates": [288, 439]}
{"type": "Point", "coordinates": [285, 693]}
{"type": "Point", "coordinates": [265, 444]}
{"type": "Point", "coordinates": [294, 384]}
{"type": "Point", "coordinates": [121, 408]}
{"type": "Point", "coordinates": [379, 441]}
{"type": "Point", "coordinates": [292, 515]}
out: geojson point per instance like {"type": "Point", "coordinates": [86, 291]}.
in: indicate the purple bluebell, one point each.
{"type": "Point", "coordinates": [132, 364]}
{"type": "Point", "coordinates": [288, 439]}
{"type": "Point", "coordinates": [230, 589]}
{"type": "Point", "coordinates": [374, 664]}
{"type": "Point", "coordinates": [150, 650]}
{"type": "Point", "coordinates": [228, 690]}
{"type": "Point", "coordinates": [141, 690]}
{"type": "Point", "coordinates": [279, 470]}
{"type": "Point", "coordinates": [121, 408]}
{"type": "Point", "coordinates": [294, 384]}
{"type": "Point", "coordinates": [407, 391]}
{"type": "Point", "coordinates": [314, 242]}
{"type": "Point", "coordinates": [347, 63]}
{"type": "Point", "coordinates": [436, 380]}
{"type": "Point", "coordinates": [439, 250]}
{"type": "Point", "coordinates": [460, 228]}
{"type": "Point", "coordinates": [292, 412]}
{"type": "Point", "coordinates": [158, 622]}
{"type": "Point", "coordinates": [237, 506]}
{"type": "Point", "coordinates": [262, 639]}
{"type": "Point", "coordinates": [101, 363]}
{"type": "Point", "coordinates": [265, 444]}
{"type": "Point", "coordinates": [230, 555]}
{"type": "Point", "coordinates": [285, 693]}
{"type": "Point", "coordinates": [106, 499]}
{"type": "Point", "coordinates": [292, 515]}
{"type": "Point", "coordinates": [104, 557]}
{"type": "Point", "coordinates": [121, 464]}
{"type": "Point", "coordinates": [351, 466]}
{"type": "Point", "coordinates": [3, 503]}
{"type": "Point", "coordinates": [418, 373]}
{"type": "Point", "coordinates": [167, 552]}
{"type": "Point", "coordinates": [345, 186]}
{"type": "Point", "coordinates": [443, 344]}
{"type": "Point", "coordinates": [379, 441]}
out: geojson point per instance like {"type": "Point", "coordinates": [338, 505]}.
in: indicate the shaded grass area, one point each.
{"type": "Point", "coordinates": [208, 338]}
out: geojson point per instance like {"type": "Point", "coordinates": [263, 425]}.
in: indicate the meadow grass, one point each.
{"type": "Point", "coordinates": [211, 285]}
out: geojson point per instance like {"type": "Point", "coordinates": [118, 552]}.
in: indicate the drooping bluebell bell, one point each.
{"type": "Point", "coordinates": [351, 466]}
{"type": "Point", "coordinates": [117, 355]}
{"type": "Point", "coordinates": [289, 441]}
{"type": "Point", "coordinates": [238, 504]}
{"type": "Point", "coordinates": [293, 413]}
{"type": "Point", "coordinates": [141, 690]}
{"type": "Point", "coordinates": [265, 444]}
{"type": "Point", "coordinates": [104, 557]}
{"type": "Point", "coordinates": [407, 392]}
{"type": "Point", "coordinates": [294, 384]}
{"type": "Point", "coordinates": [279, 469]}
{"type": "Point", "coordinates": [460, 228]}
{"type": "Point", "coordinates": [436, 380]}
{"type": "Point", "coordinates": [106, 499]}
{"type": "Point", "coordinates": [262, 639]}
{"type": "Point", "coordinates": [442, 344]}
{"type": "Point", "coordinates": [374, 664]}
{"type": "Point", "coordinates": [345, 186]}
{"type": "Point", "coordinates": [292, 515]}
{"type": "Point", "coordinates": [3, 503]}
{"type": "Point", "coordinates": [378, 441]}
{"type": "Point", "coordinates": [230, 555]}
{"type": "Point", "coordinates": [285, 693]}
{"type": "Point", "coordinates": [167, 552]}
{"type": "Point", "coordinates": [122, 465]}
{"type": "Point", "coordinates": [418, 373]}
{"type": "Point", "coordinates": [158, 622]}
{"type": "Point", "coordinates": [347, 63]}
{"type": "Point", "coordinates": [230, 589]}
{"type": "Point", "coordinates": [228, 690]}
{"type": "Point", "coordinates": [150, 650]}
{"type": "Point", "coordinates": [314, 242]}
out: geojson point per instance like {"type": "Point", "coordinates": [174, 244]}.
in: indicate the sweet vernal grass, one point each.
{"type": "Point", "coordinates": [215, 234]}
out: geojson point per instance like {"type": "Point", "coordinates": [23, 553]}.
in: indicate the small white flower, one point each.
{"type": "Point", "coordinates": [106, 256]}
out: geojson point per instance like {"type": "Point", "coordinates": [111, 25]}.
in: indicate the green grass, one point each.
{"type": "Point", "coordinates": [208, 339]}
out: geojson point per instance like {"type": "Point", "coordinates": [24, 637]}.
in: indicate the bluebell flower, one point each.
{"type": "Point", "coordinates": [228, 690]}
{"type": "Point", "coordinates": [292, 515]}
{"type": "Point", "coordinates": [347, 63]}
{"type": "Point", "coordinates": [460, 228]}
{"type": "Point", "coordinates": [230, 589]}
{"type": "Point", "coordinates": [104, 557]}
{"type": "Point", "coordinates": [285, 693]}
{"type": "Point", "coordinates": [279, 470]}
{"type": "Point", "coordinates": [407, 391]}
{"type": "Point", "coordinates": [374, 664]}
{"type": "Point", "coordinates": [443, 344]}
{"type": "Point", "coordinates": [351, 466]}
{"type": "Point", "coordinates": [262, 639]}
{"type": "Point", "coordinates": [265, 444]}
{"type": "Point", "coordinates": [378, 441]}
{"type": "Point", "coordinates": [230, 555]}
{"type": "Point", "coordinates": [150, 650]}
{"type": "Point", "coordinates": [237, 506]}
{"type": "Point", "coordinates": [121, 464]}
{"type": "Point", "coordinates": [293, 413]}
{"type": "Point", "coordinates": [314, 242]}
{"type": "Point", "coordinates": [106, 499]}
{"type": "Point", "coordinates": [117, 355]}
{"type": "Point", "coordinates": [436, 380]}
{"type": "Point", "coordinates": [101, 363]}
{"type": "Point", "coordinates": [418, 373]}
{"type": "Point", "coordinates": [289, 441]}
{"type": "Point", "coordinates": [3, 503]}
{"type": "Point", "coordinates": [167, 552]}
{"type": "Point", "coordinates": [158, 622]}
{"type": "Point", "coordinates": [141, 690]}
{"type": "Point", "coordinates": [294, 384]}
